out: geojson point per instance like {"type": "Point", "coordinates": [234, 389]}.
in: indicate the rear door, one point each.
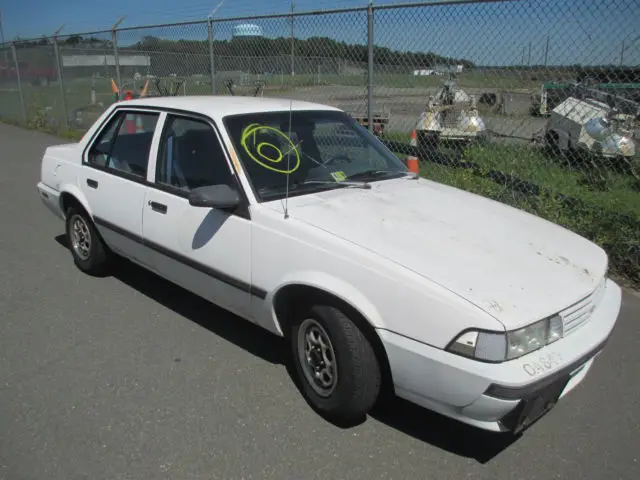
{"type": "Point", "coordinates": [114, 179]}
{"type": "Point", "coordinates": [205, 250]}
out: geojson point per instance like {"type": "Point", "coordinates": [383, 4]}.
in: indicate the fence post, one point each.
{"type": "Point", "coordinates": [211, 59]}
{"type": "Point", "coordinates": [370, 66]}
{"type": "Point", "coordinates": [114, 39]}
{"type": "Point", "coordinates": [17, 65]}
{"type": "Point", "coordinates": [63, 94]}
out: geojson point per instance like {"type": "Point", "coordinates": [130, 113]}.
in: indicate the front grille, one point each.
{"type": "Point", "coordinates": [451, 116]}
{"type": "Point", "coordinates": [579, 313]}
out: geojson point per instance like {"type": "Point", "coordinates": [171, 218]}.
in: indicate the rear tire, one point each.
{"type": "Point", "coordinates": [89, 252]}
{"type": "Point", "coordinates": [336, 367]}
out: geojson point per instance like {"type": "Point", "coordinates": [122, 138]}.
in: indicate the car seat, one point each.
{"type": "Point", "coordinates": [201, 159]}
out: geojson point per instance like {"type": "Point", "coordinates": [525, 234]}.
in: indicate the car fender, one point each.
{"type": "Point", "coordinates": [334, 286]}
{"type": "Point", "coordinates": [73, 190]}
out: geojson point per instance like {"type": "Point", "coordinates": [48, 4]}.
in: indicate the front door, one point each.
{"type": "Point", "coordinates": [114, 176]}
{"type": "Point", "coordinates": [205, 250]}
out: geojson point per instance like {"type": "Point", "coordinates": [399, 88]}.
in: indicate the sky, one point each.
{"type": "Point", "coordinates": [502, 33]}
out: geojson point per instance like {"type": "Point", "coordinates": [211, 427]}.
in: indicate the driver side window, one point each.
{"type": "Point", "coordinates": [191, 156]}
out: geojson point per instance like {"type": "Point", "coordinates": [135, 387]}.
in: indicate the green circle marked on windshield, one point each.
{"type": "Point", "coordinates": [267, 154]}
{"type": "Point", "coordinates": [263, 145]}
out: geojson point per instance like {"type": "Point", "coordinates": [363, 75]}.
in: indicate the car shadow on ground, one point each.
{"type": "Point", "coordinates": [246, 335]}
{"type": "Point", "coordinates": [442, 432]}
{"type": "Point", "coordinates": [396, 413]}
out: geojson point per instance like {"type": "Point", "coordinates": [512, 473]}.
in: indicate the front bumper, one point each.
{"type": "Point", "coordinates": [508, 396]}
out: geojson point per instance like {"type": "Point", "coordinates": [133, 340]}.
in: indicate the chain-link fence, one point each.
{"type": "Point", "coordinates": [535, 104]}
{"type": "Point", "coordinates": [12, 105]}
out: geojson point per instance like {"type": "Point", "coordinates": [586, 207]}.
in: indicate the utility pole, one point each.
{"type": "Point", "coordinates": [546, 52]}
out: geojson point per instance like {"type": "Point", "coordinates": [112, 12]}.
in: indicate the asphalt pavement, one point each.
{"type": "Point", "coordinates": [130, 377]}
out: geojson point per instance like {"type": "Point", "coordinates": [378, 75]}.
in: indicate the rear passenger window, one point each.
{"type": "Point", "coordinates": [123, 146]}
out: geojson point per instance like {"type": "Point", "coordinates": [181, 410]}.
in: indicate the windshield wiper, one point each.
{"type": "Point", "coordinates": [295, 186]}
{"type": "Point", "coordinates": [379, 173]}
{"type": "Point", "coordinates": [347, 183]}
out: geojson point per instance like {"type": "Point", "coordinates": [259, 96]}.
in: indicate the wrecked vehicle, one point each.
{"type": "Point", "coordinates": [592, 124]}
{"type": "Point", "coordinates": [450, 115]}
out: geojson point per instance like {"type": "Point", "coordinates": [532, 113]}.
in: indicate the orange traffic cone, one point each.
{"type": "Point", "coordinates": [412, 161]}
{"type": "Point", "coordinates": [115, 90]}
{"type": "Point", "coordinates": [145, 89]}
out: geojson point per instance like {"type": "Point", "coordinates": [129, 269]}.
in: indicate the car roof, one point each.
{"type": "Point", "coordinates": [218, 106]}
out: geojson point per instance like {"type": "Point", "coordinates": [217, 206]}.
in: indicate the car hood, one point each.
{"type": "Point", "coordinates": [513, 265]}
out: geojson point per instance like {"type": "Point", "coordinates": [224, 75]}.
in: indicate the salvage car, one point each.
{"type": "Point", "coordinates": [296, 218]}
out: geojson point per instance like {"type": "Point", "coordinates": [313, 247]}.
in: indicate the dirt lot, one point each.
{"type": "Point", "coordinates": [406, 104]}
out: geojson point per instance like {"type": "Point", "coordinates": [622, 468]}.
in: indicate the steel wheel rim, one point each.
{"type": "Point", "coordinates": [80, 237]}
{"type": "Point", "coordinates": [317, 357]}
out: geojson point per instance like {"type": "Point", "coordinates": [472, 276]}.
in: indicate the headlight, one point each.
{"type": "Point", "coordinates": [501, 346]}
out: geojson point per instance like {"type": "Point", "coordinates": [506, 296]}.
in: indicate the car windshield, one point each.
{"type": "Point", "coordinates": [312, 150]}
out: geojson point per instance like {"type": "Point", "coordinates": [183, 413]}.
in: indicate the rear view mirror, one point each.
{"type": "Point", "coordinates": [222, 197]}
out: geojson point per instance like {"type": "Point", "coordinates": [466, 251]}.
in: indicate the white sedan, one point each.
{"type": "Point", "coordinates": [294, 217]}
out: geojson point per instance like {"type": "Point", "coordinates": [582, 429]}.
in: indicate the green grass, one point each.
{"type": "Point", "coordinates": [39, 98]}
{"type": "Point", "coordinates": [534, 166]}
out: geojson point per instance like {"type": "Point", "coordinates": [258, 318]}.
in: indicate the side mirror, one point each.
{"type": "Point", "coordinates": [222, 197]}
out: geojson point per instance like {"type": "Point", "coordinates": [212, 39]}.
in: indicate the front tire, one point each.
{"type": "Point", "coordinates": [89, 252]}
{"type": "Point", "coordinates": [336, 367]}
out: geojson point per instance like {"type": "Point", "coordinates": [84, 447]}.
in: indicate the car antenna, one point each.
{"type": "Point", "coordinates": [286, 194]}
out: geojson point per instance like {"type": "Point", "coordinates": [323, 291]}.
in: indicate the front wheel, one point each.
{"type": "Point", "coordinates": [337, 369]}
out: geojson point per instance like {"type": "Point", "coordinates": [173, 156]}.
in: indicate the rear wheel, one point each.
{"type": "Point", "coordinates": [336, 366]}
{"type": "Point", "coordinates": [89, 252]}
